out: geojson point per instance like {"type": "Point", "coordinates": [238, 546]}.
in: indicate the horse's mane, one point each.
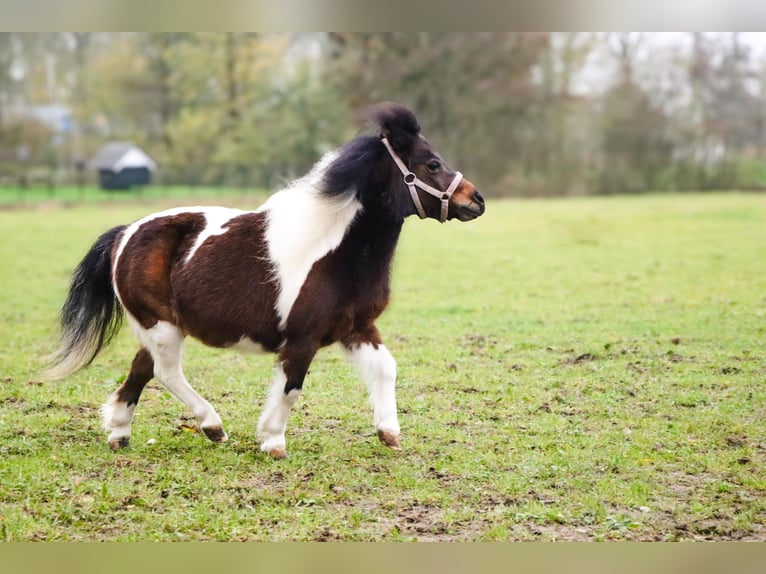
{"type": "Point", "coordinates": [356, 165]}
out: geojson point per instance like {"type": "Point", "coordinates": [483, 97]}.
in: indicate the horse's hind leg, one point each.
{"type": "Point", "coordinates": [117, 412]}
{"type": "Point", "coordinates": [165, 343]}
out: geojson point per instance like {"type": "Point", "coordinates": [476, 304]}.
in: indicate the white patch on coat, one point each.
{"type": "Point", "coordinates": [377, 368]}
{"type": "Point", "coordinates": [302, 227]}
{"type": "Point", "coordinates": [215, 219]}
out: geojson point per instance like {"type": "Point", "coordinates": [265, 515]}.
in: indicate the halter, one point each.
{"type": "Point", "coordinates": [411, 180]}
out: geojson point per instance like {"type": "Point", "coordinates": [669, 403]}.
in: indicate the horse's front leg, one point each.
{"type": "Point", "coordinates": [294, 361]}
{"type": "Point", "coordinates": [377, 368]}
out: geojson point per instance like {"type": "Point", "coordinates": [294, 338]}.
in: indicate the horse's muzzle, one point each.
{"type": "Point", "coordinates": [471, 210]}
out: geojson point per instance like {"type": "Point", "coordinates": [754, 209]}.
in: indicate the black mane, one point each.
{"type": "Point", "coordinates": [364, 167]}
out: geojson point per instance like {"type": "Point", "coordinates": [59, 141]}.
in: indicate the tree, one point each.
{"type": "Point", "coordinates": [635, 147]}
{"type": "Point", "coordinates": [529, 114]}
{"type": "Point", "coordinates": [473, 92]}
{"type": "Point", "coordinates": [564, 145]}
{"type": "Point", "coordinates": [16, 53]}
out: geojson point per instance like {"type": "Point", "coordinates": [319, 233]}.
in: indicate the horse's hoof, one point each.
{"type": "Point", "coordinates": [278, 453]}
{"type": "Point", "coordinates": [215, 434]}
{"type": "Point", "coordinates": [390, 439]}
{"type": "Point", "coordinates": [119, 443]}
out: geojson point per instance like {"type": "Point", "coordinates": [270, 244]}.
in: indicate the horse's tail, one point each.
{"type": "Point", "coordinates": [91, 315]}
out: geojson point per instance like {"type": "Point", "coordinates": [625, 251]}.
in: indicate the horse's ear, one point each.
{"type": "Point", "coordinates": [396, 123]}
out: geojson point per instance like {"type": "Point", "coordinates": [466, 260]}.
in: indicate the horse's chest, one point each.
{"type": "Point", "coordinates": [336, 318]}
{"type": "Point", "coordinates": [366, 305]}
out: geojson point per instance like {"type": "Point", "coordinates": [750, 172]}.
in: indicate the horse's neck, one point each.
{"type": "Point", "coordinates": [373, 240]}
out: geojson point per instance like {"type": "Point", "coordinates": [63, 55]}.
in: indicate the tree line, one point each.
{"type": "Point", "coordinates": [523, 113]}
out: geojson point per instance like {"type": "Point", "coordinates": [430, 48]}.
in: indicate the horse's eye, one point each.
{"type": "Point", "coordinates": [434, 165]}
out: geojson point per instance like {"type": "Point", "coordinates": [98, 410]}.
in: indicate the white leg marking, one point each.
{"type": "Point", "coordinates": [273, 420]}
{"type": "Point", "coordinates": [165, 342]}
{"type": "Point", "coordinates": [377, 369]}
{"type": "Point", "coordinates": [117, 417]}
{"type": "Point", "coordinates": [302, 227]}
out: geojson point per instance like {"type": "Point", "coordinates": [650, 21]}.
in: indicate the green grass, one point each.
{"type": "Point", "coordinates": [575, 369]}
{"type": "Point", "coordinates": [72, 194]}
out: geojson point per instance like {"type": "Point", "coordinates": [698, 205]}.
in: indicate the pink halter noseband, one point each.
{"type": "Point", "coordinates": [412, 181]}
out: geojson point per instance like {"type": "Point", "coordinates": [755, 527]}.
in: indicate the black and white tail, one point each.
{"type": "Point", "coordinates": [91, 315]}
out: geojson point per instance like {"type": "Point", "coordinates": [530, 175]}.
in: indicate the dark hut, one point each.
{"type": "Point", "coordinates": [122, 165]}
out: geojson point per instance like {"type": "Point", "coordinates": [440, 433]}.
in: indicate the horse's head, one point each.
{"type": "Point", "coordinates": [436, 190]}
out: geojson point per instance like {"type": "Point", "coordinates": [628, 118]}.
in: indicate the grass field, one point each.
{"type": "Point", "coordinates": [574, 369]}
{"type": "Point", "coordinates": [72, 194]}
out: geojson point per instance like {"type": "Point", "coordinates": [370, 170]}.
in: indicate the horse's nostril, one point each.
{"type": "Point", "coordinates": [477, 198]}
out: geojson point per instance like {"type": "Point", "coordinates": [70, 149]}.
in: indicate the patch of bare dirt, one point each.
{"type": "Point", "coordinates": [557, 533]}
{"type": "Point", "coordinates": [422, 521]}
{"type": "Point", "coordinates": [578, 359]}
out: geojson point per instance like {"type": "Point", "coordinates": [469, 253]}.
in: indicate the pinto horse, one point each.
{"type": "Point", "coordinates": [309, 268]}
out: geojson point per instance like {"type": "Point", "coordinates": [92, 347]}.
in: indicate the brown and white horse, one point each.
{"type": "Point", "coordinates": [309, 268]}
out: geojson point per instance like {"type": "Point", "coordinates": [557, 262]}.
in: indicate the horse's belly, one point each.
{"type": "Point", "coordinates": [247, 345]}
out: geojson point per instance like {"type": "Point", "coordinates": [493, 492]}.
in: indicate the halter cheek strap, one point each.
{"type": "Point", "coordinates": [412, 181]}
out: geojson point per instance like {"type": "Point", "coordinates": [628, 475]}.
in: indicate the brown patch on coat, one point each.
{"type": "Point", "coordinates": [227, 291]}
{"type": "Point", "coordinates": [210, 297]}
{"type": "Point", "coordinates": [143, 274]}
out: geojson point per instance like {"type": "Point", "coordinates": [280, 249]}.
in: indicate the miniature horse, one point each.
{"type": "Point", "coordinates": [309, 268]}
